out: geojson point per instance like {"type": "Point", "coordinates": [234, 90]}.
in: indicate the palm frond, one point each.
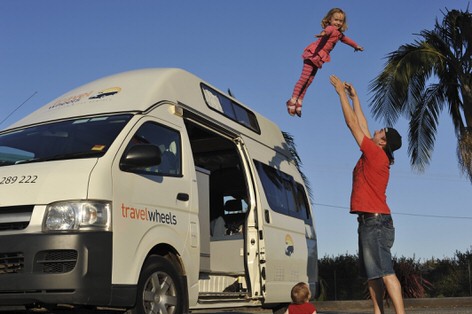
{"type": "Point", "coordinates": [292, 147]}
{"type": "Point", "coordinates": [397, 89]}
{"type": "Point", "coordinates": [423, 127]}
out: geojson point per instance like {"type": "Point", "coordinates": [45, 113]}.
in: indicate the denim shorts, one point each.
{"type": "Point", "coordinates": [376, 237]}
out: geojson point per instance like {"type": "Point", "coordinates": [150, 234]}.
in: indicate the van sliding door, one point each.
{"type": "Point", "coordinates": [284, 218]}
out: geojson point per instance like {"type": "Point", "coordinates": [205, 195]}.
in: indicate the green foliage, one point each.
{"type": "Point", "coordinates": [408, 271]}
{"type": "Point", "coordinates": [444, 274]}
{"type": "Point", "coordinates": [341, 278]}
{"type": "Point", "coordinates": [447, 277]}
{"type": "Point", "coordinates": [451, 277]}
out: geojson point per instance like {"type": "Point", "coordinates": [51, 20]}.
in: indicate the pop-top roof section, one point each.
{"type": "Point", "coordinates": [125, 92]}
{"type": "Point", "coordinates": [141, 90]}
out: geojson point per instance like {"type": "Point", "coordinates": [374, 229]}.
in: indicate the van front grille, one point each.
{"type": "Point", "coordinates": [11, 263]}
{"type": "Point", "coordinates": [15, 217]}
{"type": "Point", "coordinates": [55, 261]}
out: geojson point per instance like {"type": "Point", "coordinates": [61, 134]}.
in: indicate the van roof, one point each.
{"type": "Point", "coordinates": [132, 91]}
{"type": "Point", "coordinates": [138, 91]}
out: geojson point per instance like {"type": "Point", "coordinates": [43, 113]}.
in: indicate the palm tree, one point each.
{"type": "Point", "coordinates": [422, 79]}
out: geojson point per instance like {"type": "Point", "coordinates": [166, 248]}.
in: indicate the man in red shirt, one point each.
{"type": "Point", "coordinates": [368, 199]}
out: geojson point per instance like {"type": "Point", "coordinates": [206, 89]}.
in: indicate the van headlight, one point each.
{"type": "Point", "coordinates": [77, 215]}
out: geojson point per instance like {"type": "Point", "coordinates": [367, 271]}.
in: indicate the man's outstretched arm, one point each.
{"type": "Point", "coordinates": [350, 116]}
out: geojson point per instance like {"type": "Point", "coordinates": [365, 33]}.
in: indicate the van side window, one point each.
{"type": "Point", "coordinates": [168, 141]}
{"type": "Point", "coordinates": [230, 108]}
{"type": "Point", "coordinates": [284, 195]}
{"type": "Point", "coordinates": [302, 204]}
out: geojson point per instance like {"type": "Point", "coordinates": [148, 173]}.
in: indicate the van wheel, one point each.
{"type": "Point", "coordinates": [160, 289]}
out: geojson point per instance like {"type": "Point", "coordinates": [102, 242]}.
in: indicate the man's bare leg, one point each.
{"type": "Point", "coordinates": [376, 290]}
{"type": "Point", "coordinates": [394, 290]}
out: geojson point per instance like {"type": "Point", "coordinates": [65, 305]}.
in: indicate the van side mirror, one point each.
{"type": "Point", "coordinates": [140, 156]}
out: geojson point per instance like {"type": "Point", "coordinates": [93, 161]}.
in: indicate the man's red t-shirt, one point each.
{"type": "Point", "coordinates": [370, 179]}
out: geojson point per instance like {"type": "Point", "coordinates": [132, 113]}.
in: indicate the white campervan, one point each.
{"type": "Point", "coordinates": [152, 191]}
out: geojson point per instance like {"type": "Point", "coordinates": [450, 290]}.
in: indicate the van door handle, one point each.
{"type": "Point", "coordinates": [267, 216]}
{"type": "Point", "coordinates": [183, 197]}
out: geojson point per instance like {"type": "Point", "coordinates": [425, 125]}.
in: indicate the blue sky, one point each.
{"type": "Point", "coordinates": [253, 47]}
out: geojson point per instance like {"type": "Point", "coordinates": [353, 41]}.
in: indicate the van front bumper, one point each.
{"type": "Point", "coordinates": [66, 268]}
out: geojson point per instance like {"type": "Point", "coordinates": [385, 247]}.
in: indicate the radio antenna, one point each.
{"type": "Point", "coordinates": [18, 108]}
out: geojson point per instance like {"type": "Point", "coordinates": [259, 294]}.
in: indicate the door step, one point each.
{"type": "Point", "coordinates": [211, 297]}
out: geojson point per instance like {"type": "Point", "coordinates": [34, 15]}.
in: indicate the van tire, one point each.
{"type": "Point", "coordinates": [156, 271]}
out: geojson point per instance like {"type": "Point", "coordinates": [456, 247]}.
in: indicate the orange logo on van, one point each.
{"type": "Point", "coordinates": [106, 92]}
{"type": "Point", "coordinates": [69, 100]}
{"type": "Point", "coordinates": [144, 214]}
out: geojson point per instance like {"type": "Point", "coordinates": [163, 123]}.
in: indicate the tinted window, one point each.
{"type": "Point", "coordinates": [76, 138]}
{"type": "Point", "coordinates": [168, 141]}
{"type": "Point", "coordinates": [284, 195]}
{"type": "Point", "coordinates": [230, 108]}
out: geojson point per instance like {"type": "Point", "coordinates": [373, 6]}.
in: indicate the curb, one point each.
{"type": "Point", "coordinates": [409, 303]}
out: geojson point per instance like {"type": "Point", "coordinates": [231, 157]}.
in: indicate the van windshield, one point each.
{"type": "Point", "coordinates": [78, 138]}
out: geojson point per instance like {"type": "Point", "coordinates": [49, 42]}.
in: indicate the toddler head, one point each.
{"type": "Point", "coordinates": [300, 293]}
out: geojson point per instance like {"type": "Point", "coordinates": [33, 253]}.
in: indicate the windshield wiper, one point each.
{"type": "Point", "coordinates": [63, 156]}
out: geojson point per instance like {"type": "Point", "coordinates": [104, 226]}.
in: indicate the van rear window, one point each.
{"type": "Point", "coordinates": [230, 108]}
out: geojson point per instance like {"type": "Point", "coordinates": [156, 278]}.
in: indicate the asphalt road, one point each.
{"type": "Point", "coordinates": [416, 311]}
{"type": "Point", "coordinates": [415, 306]}
{"type": "Point", "coordinates": [452, 310]}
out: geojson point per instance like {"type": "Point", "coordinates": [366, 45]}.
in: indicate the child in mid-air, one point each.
{"type": "Point", "coordinates": [317, 53]}
{"type": "Point", "coordinates": [301, 300]}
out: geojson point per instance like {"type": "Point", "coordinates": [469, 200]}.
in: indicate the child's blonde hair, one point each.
{"type": "Point", "coordinates": [300, 293]}
{"type": "Point", "coordinates": [325, 20]}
